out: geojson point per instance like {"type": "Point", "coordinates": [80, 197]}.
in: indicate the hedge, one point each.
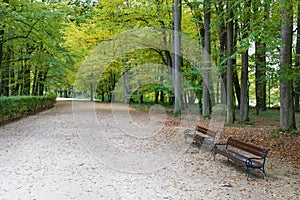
{"type": "Point", "coordinates": [18, 106]}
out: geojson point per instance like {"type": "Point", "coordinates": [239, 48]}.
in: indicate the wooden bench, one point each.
{"type": "Point", "coordinates": [256, 158]}
{"type": "Point", "coordinates": [199, 138]}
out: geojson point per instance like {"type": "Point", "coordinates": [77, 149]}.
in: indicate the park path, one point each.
{"type": "Point", "coordinates": [42, 157]}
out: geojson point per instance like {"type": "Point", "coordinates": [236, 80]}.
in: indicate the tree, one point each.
{"type": "Point", "coordinates": [222, 33]}
{"type": "Point", "coordinates": [260, 58]}
{"type": "Point", "coordinates": [32, 58]}
{"type": "Point", "coordinates": [206, 107]}
{"type": "Point", "coordinates": [297, 63]}
{"type": "Point", "coordinates": [244, 101]}
{"type": "Point", "coordinates": [287, 113]}
{"type": "Point", "coordinates": [229, 75]}
{"type": "Point", "coordinates": [177, 6]}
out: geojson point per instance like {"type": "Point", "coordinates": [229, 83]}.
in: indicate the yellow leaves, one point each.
{"type": "Point", "coordinates": [83, 38]}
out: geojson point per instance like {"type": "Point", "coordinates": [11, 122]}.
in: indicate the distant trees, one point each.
{"type": "Point", "coordinates": [32, 58]}
{"type": "Point", "coordinates": [42, 45]}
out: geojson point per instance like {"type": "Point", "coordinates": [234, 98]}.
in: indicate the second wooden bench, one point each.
{"type": "Point", "coordinates": [199, 138]}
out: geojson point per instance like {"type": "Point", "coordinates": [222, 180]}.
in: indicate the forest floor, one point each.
{"type": "Point", "coordinates": [81, 150]}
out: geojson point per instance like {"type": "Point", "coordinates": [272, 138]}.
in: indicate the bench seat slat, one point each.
{"type": "Point", "coordinates": [239, 158]}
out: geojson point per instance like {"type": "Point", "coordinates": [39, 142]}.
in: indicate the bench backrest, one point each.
{"type": "Point", "coordinates": [204, 130]}
{"type": "Point", "coordinates": [248, 147]}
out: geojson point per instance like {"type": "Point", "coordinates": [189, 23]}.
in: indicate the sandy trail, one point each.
{"type": "Point", "coordinates": [45, 157]}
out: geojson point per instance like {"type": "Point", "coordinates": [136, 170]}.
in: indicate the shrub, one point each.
{"type": "Point", "coordinates": [17, 106]}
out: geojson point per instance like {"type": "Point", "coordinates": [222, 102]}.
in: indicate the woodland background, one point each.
{"type": "Point", "coordinates": [255, 45]}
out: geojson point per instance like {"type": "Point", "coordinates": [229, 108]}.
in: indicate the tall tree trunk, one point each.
{"type": "Point", "coordinates": [235, 77]}
{"type": "Point", "coordinates": [229, 75]}
{"type": "Point", "coordinates": [3, 68]}
{"type": "Point", "coordinates": [177, 5]}
{"type": "Point", "coordinates": [236, 84]}
{"type": "Point", "coordinates": [26, 74]}
{"type": "Point", "coordinates": [206, 71]}
{"type": "Point", "coordinates": [244, 101]}
{"type": "Point", "coordinates": [287, 114]}
{"type": "Point", "coordinates": [138, 85]}
{"type": "Point", "coordinates": [42, 81]}
{"type": "Point", "coordinates": [260, 63]}
{"type": "Point", "coordinates": [297, 64]}
{"type": "Point", "coordinates": [260, 76]}
{"type": "Point", "coordinates": [170, 71]}
{"type": "Point", "coordinates": [223, 42]}
{"type": "Point", "coordinates": [13, 75]}
{"type": "Point", "coordinates": [26, 79]}
{"type": "Point", "coordinates": [6, 73]}
{"type": "Point", "coordinates": [35, 83]}
{"type": "Point", "coordinates": [126, 87]}
{"type": "Point", "coordinates": [1, 57]}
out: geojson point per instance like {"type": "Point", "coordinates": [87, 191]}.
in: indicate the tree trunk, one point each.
{"type": "Point", "coordinates": [206, 71]}
{"type": "Point", "coordinates": [138, 85]}
{"type": "Point", "coordinates": [5, 77]}
{"type": "Point", "coordinates": [25, 75]}
{"type": "Point", "coordinates": [1, 57]}
{"type": "Point", "coordinates": [35, 83]}
{"type": "Point", "coordinates": [260, 64]}
{"type": "Point", "coordinates": [229, 75]}
{"type": "Point", "coordinates": [126, 87]}
{"type": "Point", "coordinates": [223, 42]}
{"type": "Point", "coordinates": [287, 114]}
{"type": "Point", "coordinates": [4, 70]}
{"type": "Point", "coordinates": [244, 101]}
{"type": "Point", "coordinates": [162, 95]}
{"type": "Point", "coordinates": [260, 76]}
{"type": "Point", "coordinates": [235, 77]}
{"type": "Point", "coordinates": [297, 64]}
{"type": "Point", "coordinates": [236, 83]}
{"type": "Point", "coordinates": [177, 5]}
{"type": "Point", "coordinates": [26, 79]}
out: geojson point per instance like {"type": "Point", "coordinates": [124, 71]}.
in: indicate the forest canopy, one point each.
{"type": "Point", "coordinates": [253, 45]}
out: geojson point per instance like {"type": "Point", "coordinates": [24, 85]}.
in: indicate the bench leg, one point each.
{"type": "Point", "coordinates": [213, 150]}
{"type": "Point", "coordinates": [264, 172]}
{"type": "Point", "coordinates": [248, 170]}
{"type": "Point", "coordinates": [201, 141]}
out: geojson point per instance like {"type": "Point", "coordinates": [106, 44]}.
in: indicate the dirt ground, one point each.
{"type": "Point", "coordinates": [81, 150]}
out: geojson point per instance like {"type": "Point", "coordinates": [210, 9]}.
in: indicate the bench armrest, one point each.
{"type": "Point", "coordinates": [248, 162]}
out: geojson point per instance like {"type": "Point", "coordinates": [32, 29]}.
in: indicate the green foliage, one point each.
{"type": "Point", "coordinates": [14, 107]}
{"type": "Point", "coordinates": [32, 41]}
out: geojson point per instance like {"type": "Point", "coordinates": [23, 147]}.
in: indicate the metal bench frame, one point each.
{"type": "Point", "coordinates": [257, 162]}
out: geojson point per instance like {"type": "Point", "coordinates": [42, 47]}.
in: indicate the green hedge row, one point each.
{"type": "Point", "coordinates": [18, 106]}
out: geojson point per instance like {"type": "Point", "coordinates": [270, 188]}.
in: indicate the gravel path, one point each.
{"type": "Point", "coordinates": [60, 154]}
